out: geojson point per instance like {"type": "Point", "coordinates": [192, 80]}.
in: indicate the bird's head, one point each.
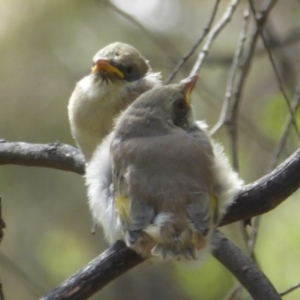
{"type": "Point", "coordinates": [170, 103]}
{"type": "Point", "coordinates": [119, 62]}
{"type": "Point", "coordinates": [119, 75]}
{"type": "Point", "coordinates": [178, 103]}
{"type": "Point", "coordinates": [160, 110]}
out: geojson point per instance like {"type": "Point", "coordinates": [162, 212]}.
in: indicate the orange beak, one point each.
{"type": "Point", "coordinates": [103, 65]}
{"type": "Point", "coordinates": [189, 84]}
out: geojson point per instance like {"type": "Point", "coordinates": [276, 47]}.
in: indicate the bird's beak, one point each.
{"type": "Point", "coordinates": [103, 65]}
{"type": "Point", "coordinates": [189, 84]}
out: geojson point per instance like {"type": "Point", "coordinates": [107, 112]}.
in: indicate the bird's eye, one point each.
{"type": "Point", "coordinates": [180, 105]}
{"type": "Point", "coordinates": [131, 72]}
{"type": "Point", "coordinates": [180, 112]}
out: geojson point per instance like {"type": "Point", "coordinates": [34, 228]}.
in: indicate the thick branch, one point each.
{"type": "Point", "coordinates": [54, 155]}
{"type": "Point", "coordinates": [99, 272]}
{"type": "Point", "coordinates": [118, 259]}
{"type": "Point", "coordinates": [254, 199]}
{"type": "Point", "coordinates": [266, 193]}
{"type": "Point", "coordinates": [243, 268]}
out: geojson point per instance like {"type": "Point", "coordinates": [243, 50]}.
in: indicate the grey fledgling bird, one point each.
{"type": "Point", "coordinates": [119, 75]}
{"type": "Point", "coordinates": [158, 181]}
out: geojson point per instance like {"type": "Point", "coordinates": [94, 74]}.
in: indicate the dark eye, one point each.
{"type": "Point", "coordinates": [180, 105]}
{"type": "Point", "coordinates": [131, 72]}
{"type": "Point", "coordinates": [180, 112]}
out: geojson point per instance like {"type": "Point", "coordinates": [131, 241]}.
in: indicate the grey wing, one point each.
{"type": "Point", "coordinates": [135, 215]}
{"type": "Point", "coordinates": [161, 169]}
{"type": "Point", "coordinates": [141, 216]}
{"type": "Point", "coordinates": [199, 211]}
{"type": "Point", "coordinates": [203, 209]}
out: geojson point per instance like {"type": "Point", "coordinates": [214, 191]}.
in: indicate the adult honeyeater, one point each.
{"type": "Point", "coordinates": [119, 75]}
{"type": "Point", "coordinates": [158, 181]}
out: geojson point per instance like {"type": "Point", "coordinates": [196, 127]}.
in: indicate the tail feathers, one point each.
{"type": "Point", "coordinates": [170, 239]}
{"type": "Point", "coordinates": [167, 253]}
{"type": "Point", "coordinates": [185, 245]}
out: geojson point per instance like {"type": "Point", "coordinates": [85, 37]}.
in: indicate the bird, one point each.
{"type": "Point", "coordinates": [158, 181]}
{"type": "Point", "coordinates": [119, 74]}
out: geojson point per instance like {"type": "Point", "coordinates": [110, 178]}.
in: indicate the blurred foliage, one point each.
{"type": "Point", "coordinates": [277, 110]}
{"type": "Point", "coordinates": [197, 280]}
{"type": "Point", "coordinates": [277, 245]}
{"type": "Point", "coordinates": [73, 251]}
{"type": "Point", "coordinates": [46, 46]}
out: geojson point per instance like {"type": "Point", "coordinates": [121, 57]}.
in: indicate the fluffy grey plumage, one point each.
{"type": "Point", "coordinates": [119, 75]}
{"type": "Point", "coordinates": [172, 183]}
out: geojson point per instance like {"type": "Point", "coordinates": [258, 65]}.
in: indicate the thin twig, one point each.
{"type": "Point", "coordinates": [226, 18]}
{"type": "Point", "coordinates": [235, 292]}
{"type": "Point", "coordinates": [245, 68]}
{"type": "Point", "coordinates": [291, 38]}
{"type": "Point", "coordinates": [286, 65]}
{"type": "Point", "coordinates": [266, 193]}
{"type": "Point", "coordinates": [196, 45]}
{"type": "Point", "coordinates": [253, 236]}
{"type": "Point", "coordinates": [279, 81]}
{"type": "Point", "coordinates": [232, 121]}
{"type": "Point", "coordinates": [163, 43]}
{"type": "Point", "coordinates": [282, 142]}
{"type": "Point", "coordinates": [236, 59]}
{"type": "Point", "coordinates": [249, 128]}
{"type": "Point", "coordinates": [289, 290]}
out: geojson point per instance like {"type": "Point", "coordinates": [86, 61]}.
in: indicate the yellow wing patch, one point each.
{"type": "Point", "coordinates": [215, 208]}
{"type": "Point", "coordinates": [123, 208]}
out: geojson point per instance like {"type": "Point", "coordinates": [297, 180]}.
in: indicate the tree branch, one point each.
{"type": "Point", "coordinates": [118, 259]}
{"type": "Point", "coordinates": [266, 193]}
{"type": "Point", "coordinates": [112, 263]}
{"type": "Point", "coordinates": [254, 199]}
{"type": "Point", "coordinates": [54, 155]}
{"type": "Point", "coordinates": [291, 289]}
{"type": "Point", "coordinates": [257, 18]}
{"type": "Point", "coordinates": [196, 45]}
{"type": "Point", "coordinates": [157, 38]}
{"type": "Point", "coordinates": [226, 18]}
{"type": "Point", "coordinates": [243, 268]}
